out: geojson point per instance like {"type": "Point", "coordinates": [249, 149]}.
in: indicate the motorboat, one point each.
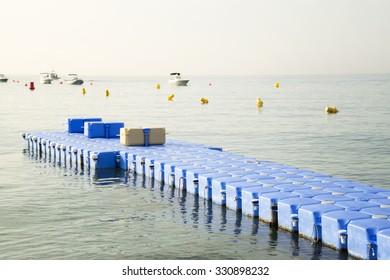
{"type": "Point", "coordinates": [3, 79]}
{"type": "Point", "coordinates": [73, 80]}
{"type": "Point", "coordinates": [177, 80]}
{"type": "Point", "coordinates": [54, 76]}
{"type": "Point", "coordinates": [45, 78]}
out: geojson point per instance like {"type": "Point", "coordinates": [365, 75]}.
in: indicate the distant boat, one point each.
{"type": "Point", "coordinates": [45, 78]}
{"type": "Point", "coordinates": [177, 80]}
{"type": "Point", "coordinates": [54, 76]}
{"type": "Point", "coordinates": [3, 79]}
{"type": "Point", "coordinates": [73, 80]}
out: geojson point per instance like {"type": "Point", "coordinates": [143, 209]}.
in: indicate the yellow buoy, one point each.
{"type": "Point", "coordinates": [84, 91]}
{"type": "Point", "coordinates": [158, 86]}
{"type": "Point", "coordinates": [277, 85]}
{"type": "Point", "coordinates": [204, 100]}
{"type": "Point", "coordinates": [107, 93]}
{"type": "Point", "coordinates": [170, 97]}
{"type": "Point", "coordinates": [259, 102]}
{"type": "Point", "coordinates": [331, 110]}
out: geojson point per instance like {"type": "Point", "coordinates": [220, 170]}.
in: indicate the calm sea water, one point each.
{"type": "Point", "coordinates": [49, 212]}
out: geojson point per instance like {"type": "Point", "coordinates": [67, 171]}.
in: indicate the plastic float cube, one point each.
{"type": "Point", "coordinates": [288, 212]}
{"type": "Point", "coordinates": [309, 193]}
{"type": "Point", "coordinates": [290, 187]}
{"type": "Point", "coordinates": [192, 180]}
{"type": "Point", "coordinates": [362, 237]}
{"type": "Point", "coordinates": [218, 186]}
{"type": "Point", "coordinates": [334, 227]}
{"type": "Point", "coordinates": [102, 159]}
{"type": "Point", "coordinates": [169, 171]}
{"type": "Point", "coordinates": [76, 125]}
{"type": "Point", "coordinates": [250, 198]}
{"type": "Point", "coordinates": [355, 205]}
{"type": "Point", "coordinates": [234, 193]}
{"type": "Point", "coordinates": [360, 196]}
{"type": "Point", "coordinates": [103, 129]}
{"type": "Point", "coordinates": [383, 242]}
{"type": "Point", "coordinates": [140, 161]}
{"type": "Point", "coordinates": [383, 202]}
{"type": "Point", "coordinates": [377, 212]}
{"type": "Point", "coordinates": [310, 219]}
{"type": "Point", "coordinates": [181, 172]}
{"type": "Point", "coordinates": [205, 184]}
{"type": "Point", "coordinates": [268, 205]}
{"type": "Point", "coordinates": [332, 198]}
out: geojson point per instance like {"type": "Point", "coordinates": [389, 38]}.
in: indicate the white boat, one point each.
{"type": "Point", "coordinates": [54, 76]}
{"type": "Point", "coordinates": [45, 78]}
{"type": "Point", "coordinates": [73, 80]}
{"type": "Point", "coordinates": [3, 79]}
{"type": "Point", "coordinates": [177, 80]}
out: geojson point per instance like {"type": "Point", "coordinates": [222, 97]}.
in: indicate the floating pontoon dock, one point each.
{"type": "Point", "coordinates": [339, 213]}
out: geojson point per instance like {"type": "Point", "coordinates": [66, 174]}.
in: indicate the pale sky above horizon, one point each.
{"type": "Point", "coordinates": [199, 37]}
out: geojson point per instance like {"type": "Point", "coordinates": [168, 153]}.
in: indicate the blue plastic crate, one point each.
{"type": "Point", "coordinates": [383, 244]}
{"type": "Point", "coordinates": [76, 125]}
{"type": "Point", "coordinates": [288, 212]}
{"type": "Point", "coordinates": [103, 129]}
{"type": "Point", "coordinates": [218, 186]}
{"type": "Point", "coordinates": [362, 237]}
{"type": "Point", "coordinates": [334, 227]}
{"type": "Point", "coordinates": [310, 219]}
{"type": "Point", "coordinates": [268, 205]}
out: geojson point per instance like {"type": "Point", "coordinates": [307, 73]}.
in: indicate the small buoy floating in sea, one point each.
{"type": "Point", "coordinates": [204, 100]}
{"type": "Point", "coordinates": [107, 93]}
{"type": "Point", "coordinates": [158, 86]}
{"type": "Point", "coordinates": [32, 87]}
{"type": "Point", "coordinates": [84, 91]}
{"type": "Point", "coordinates": [277, 85]}
{"type": "Point", "coordinates": [331, 110]}
{"type": "Point", "coordinates": [170, 97]}
{"type": "Point", "coordinates": [259, 102]}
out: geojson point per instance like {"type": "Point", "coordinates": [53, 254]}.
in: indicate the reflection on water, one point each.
{"type": "Point", "coordinates": [186, 222]}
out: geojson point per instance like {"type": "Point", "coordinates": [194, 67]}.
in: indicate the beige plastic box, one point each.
{"type": "Point", "coordinates": [136, 136]}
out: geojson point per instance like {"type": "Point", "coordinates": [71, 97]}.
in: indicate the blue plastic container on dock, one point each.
{"type": "Point", "coordinates": [362, 237]}
{"type": "Point", "coordinates": [181, 175]}
{"type": "Point", "coordinates": [103, 129]}
{"type": "Point", "coordinates": [288, 212]}
{"type": "Point", "coordinates": [169, 171]}
{"type": "Point", "coordinates": [250, 198]}
{"type": "Point", "coordinates": [383, 242]}
{"type": "Point", "coordinates": [334, 227]}
{"type": "Point", "coordinates": [310, 219]}
{"type": "Point", "coordinates": [218, 186]}
{"type": "Point", "coordinates": [268, 205]}
{"type": "Point", "coordinates": [76, 125]}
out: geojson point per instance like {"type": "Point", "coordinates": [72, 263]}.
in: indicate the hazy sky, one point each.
{"type": "Point", "coordinates": [195, 36]}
